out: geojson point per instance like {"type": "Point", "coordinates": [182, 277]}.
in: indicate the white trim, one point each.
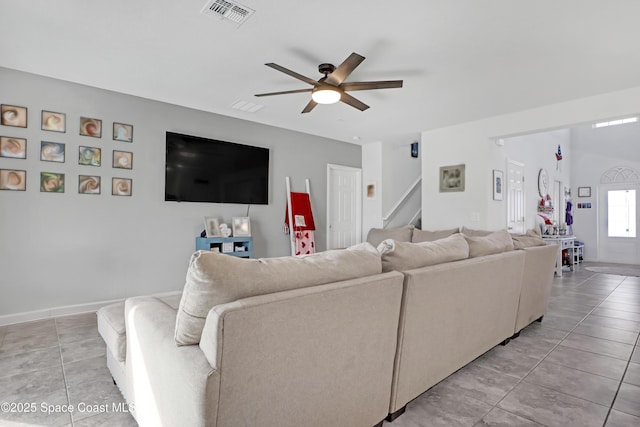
{"type": "Point", "coordinates": [403, 198]}
{"type": "Point", "coordinates": [358, 201]}
{"type": "Point", "coordinates": [66, 310]}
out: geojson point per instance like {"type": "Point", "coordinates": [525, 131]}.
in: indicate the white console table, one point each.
{"type": "Point", "coordinates": [566, 243]}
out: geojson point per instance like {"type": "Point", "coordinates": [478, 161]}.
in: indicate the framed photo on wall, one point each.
{"type": "Point", "coordinates": [121, 186]}
{"type": "Point", "coordinates": [51, 182]}
{"type": "Point", "coordinates": [584, 191]}
{"type": "Point", "coordinates": [452, 178]}
{"type": "Point", "coordinates": [15, 148]}
{"type": "Point", "coordinates": [54, 122]}
{"type": "Point", "coordinates": [12, 115]}
{"type": "Point", "coordinates": [15, 180]}
{"type": "Point", "coordinates": [90, 127]}
{"type": "Point", "coordinates": [52, 151]}
{"type": "Point", "coordinates": [122, 132]}
{"type": "Point", "coordinates": [498, 184]}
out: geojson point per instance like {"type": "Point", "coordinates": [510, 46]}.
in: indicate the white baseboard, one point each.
{"type": "Point", "coordinates": [28, 316]}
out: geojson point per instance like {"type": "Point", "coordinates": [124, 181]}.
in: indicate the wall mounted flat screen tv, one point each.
{"type": "Point", "coordinates": [207, 170]}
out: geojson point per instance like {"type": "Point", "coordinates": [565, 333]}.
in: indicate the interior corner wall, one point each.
{"type": "Point", "coordinates": [473, 144]}
{"type": "Point", "coordinates": [66, 249]}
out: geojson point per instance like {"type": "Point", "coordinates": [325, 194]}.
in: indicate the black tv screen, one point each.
{"type": "Point", "coordinates": [206, 170]}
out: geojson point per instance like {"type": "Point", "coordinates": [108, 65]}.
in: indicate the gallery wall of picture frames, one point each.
{"type": "Point", "coordinates": [60, 149]}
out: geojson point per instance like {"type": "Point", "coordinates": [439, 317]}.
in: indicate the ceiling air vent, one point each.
{"type": "Point", "coordinates": [230, 10]}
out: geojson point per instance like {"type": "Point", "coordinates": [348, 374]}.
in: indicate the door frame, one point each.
{"type": "Point", "coordinates": [357, 201]}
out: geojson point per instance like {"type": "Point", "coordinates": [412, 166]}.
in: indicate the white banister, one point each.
{"type": "Point", "coordinates": [403, 198]}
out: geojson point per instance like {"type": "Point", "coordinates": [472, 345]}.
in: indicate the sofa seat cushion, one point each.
{"type": "Point", "coordinates": [111, 325]}
{"type": "Point", "coordinates": [111, 328]}
{"type": "Point", "coordinates": [214, 279]}
{"type": "Point", "coordinates": [430, 236]}
{"type": "Point", "coordinates": [399, 234]}
{"type": "Point", "coordinates": [403, 256]}
{"type": "Point", "coordinates": [493, 243]}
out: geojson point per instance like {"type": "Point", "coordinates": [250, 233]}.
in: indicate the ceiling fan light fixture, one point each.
{"type": "Point", "coordinates": [326, 94]}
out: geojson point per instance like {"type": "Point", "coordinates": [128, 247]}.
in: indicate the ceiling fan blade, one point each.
{"type": "Point", "coordinates": [386, 84]}
{"type": "Point", "coordinates": [292, 73]}
{"type": "Point", "coordinates": [284, 92]}
{"type": "Point", "coordinates": [344, 69]}
{"type": "Point", "coordinates": [310, 106]}
{"type": "Point", "coordinates": [350, 100]}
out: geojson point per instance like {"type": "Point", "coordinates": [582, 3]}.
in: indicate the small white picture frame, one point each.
{"type": "Point", "coordinates": [212, 226]}
{"type": "Point", "coordinates": [241, 226]}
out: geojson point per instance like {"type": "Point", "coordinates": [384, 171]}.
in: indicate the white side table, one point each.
{"type": "Point", "coordinates": [565, 243]}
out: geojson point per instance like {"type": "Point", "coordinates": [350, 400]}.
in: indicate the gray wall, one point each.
{"type": "Point", "coordinates": [65, 249]}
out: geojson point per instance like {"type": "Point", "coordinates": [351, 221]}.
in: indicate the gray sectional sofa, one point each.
{"type": "Point", "coordinates": [341, 338]}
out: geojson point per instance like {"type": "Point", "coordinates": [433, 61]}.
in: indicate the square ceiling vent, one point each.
{"type": "Point", "coordinates": [229, 10]}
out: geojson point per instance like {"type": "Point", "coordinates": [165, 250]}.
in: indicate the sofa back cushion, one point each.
{"type": "Point", "coordinates": [214, 278]}
{"type": "Point", "coordinates": [521, 241]}
{"type": "Point", "coordinates": [493, 243]}
{"type": "Point", "coordinates": [403, 256]}
{"type": "Point", "coordinates": [473, 232]}
{"type": "Point", "coordinates": [399, 234]}
{"type": "Point", "coordinates": [430, 236]}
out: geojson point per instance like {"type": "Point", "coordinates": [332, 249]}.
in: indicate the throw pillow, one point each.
{"type": "Point", "coordinates": [400, 234]}
{"type": "Point", "coordinates": [494, 243]}
{"type": "Point", "coordinates": [521, 241]}
{"type": "Point", "coordinates": [402, 256]}
{"type": "Point", "coordinates": [430, 236]}
{"type": "Point", "coordinates": [214, 278]}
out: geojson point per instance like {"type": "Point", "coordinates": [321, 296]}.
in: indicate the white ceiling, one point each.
{"type": "Point", "coordinates": [460, 60]}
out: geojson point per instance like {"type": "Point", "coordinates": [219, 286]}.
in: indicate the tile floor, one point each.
{"type": "Point", "coordinates": [579, 367]}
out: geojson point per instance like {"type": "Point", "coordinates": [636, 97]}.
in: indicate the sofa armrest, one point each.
{"type": "Point", "coordinates": [167, 384]}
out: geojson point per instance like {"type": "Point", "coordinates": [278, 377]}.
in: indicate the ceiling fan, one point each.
{"type": "Point", "coordinates": [332, 87]}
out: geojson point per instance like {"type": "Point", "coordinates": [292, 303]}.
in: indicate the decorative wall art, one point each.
{"type": "Point", "coordinates": [15, 148]}
{"type": "Point", "coordinates": [584, 191]}
{"type": "Point", "coordinates": [498, 184]}
{"type": "Point", "coordinates": [54, 122]}
{"type": "Point", "coordinates": [212, 227]}
{"type": "Point", "coordinates": [371, 191]}
{"type": "Point", "coordinates": [241, 226]}
{"type": "Point", "coordinates": [51, 182]}
{"type": "Point", "coordinates": [452, 178]}
{"type": "Point", "coordinates": [52, 152]}
{"type": "Point", "coordinates": [121, 186]}
{"type": "Point", "coordinates": [122, 159]}
{"type": "Point", "coordinates": [88, 184]}
{"type": "Point", "coordinates": [11, 179]}
{"type": "Point", "coordinates": [91, 127]}
{"type": "Point", "coordinates": [89, 156]}
{"type": "Point", "coordinates": [12, 115]}
{"type": "Point", "coordinates": [122, 132]}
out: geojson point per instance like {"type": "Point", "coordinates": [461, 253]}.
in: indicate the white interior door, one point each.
{"type": "Point", "coordinates": [515, 197]}
{"type": "Point", "coordinates": [344, 206]}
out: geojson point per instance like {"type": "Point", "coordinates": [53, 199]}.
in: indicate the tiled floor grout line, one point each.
{"type": "Point", "coordinates": [556, 346]}
{"type": "Point", "coordinates": [539, 362]}
{"type": "Point", "coordinates": [625, 370]}
{"type": "Point", "coordinates": [64, 372]}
